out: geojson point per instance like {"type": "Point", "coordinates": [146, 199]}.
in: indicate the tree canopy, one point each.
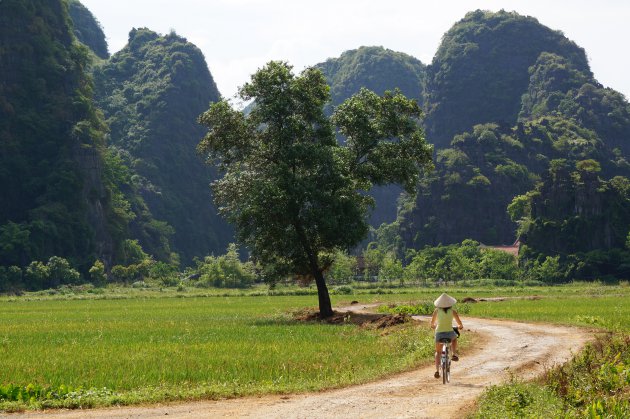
{"type": "Point", "coordinates": [294, 194]}
{"type": "Point", "coordinates": [377, 69]}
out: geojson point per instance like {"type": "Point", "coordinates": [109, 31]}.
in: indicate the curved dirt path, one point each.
{"type": "Point", "coordinates": [503, 348]}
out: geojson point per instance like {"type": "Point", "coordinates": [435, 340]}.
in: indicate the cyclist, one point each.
{"type": "Point", "coordinates": [442, 322]}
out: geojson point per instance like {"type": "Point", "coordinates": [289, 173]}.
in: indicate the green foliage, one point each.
{"type": "Point", "coordinates": [343, 268]}
{"type": "Point", "coordinates": [225, 271]}
{"type": "Point", "coordinates": [379, 70]}
{"type": "Point", "coordinates": [52, 144]}
{"type": "Point", "coordinates": [488, 55]}
{"type": "Point", "coordinates": [419, 309]}
{"type": "Point", "coordinates": [97, 273]}
{"type": "Point", "coordinates": [10, 278]}
{"type": "Point", "coordinates": [519, 400]}
{"type": "Point", "coordinates": [292, 192]}
{"type": "Point", "coordinates": [57, 271]}
{"type": "Point", "coordinates": [131, 273]}
{"type": "Point", "coordinates": [151, 93]}
{"type": "Point", "coordinates": [374, 68]}
{"type": "Point", "coordinates": [391, 269]}
{"type": "Point", "coordinates": [510, 95]}
{"type": "Point", "coordinates": [36, 275]}
{"type": "Point", "coordinates": [596, 381]}
{"type": "Point", "coordinates": [551, 77]}
{"type": "Point", "coordinates": [131, 252]}
{"type": "Point", "coordinates": [519, 208]}
{"type": "Point", "coordinates": [477, 179]}
{"type": "Point", "coordinates": [570, 230]}
{"type": "Point", "coordinates": [87, 29]}
{"type": "Point", "coordinates": [463, 262]}
{"type": "Point", "coordinates": [422, 308]}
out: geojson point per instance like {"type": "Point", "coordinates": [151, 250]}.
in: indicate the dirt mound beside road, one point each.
{"type": "Point", "coordinates": [358, 317]}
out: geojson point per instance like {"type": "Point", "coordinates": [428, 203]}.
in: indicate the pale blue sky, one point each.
{"type": "Point", "coordinates": [239, 36]}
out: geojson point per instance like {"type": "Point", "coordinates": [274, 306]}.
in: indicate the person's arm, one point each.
{"type": "Point", "coordinates": [434, 319]}
{"type": "Point", "coordinates": [457, 320]}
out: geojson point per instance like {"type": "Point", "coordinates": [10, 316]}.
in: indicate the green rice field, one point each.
{"type": "Point", "coordinates": [124, 346]}
{"type": "Point", "coordinates": [180, 348]}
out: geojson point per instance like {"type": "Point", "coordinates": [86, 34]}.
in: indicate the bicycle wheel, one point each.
{"type": "Point", "coordinates": [448, 370]}
{"type": "Point", "coordinates": [445, 367]}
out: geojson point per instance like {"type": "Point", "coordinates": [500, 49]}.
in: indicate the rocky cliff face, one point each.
{"type": "Point", "coordinates": [52, 139]}
{"type": "Point", "coordinates": [152, 92]}
{"type": "Point", "coordinates": [538, 100]}
{"type": "Point", "coordinates": [577, 211]}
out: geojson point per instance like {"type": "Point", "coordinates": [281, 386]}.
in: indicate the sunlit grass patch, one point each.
{"type": "Point", "coordinates": [155, 349]}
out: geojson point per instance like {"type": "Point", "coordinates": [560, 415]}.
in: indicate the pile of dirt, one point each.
{"type": "Point", "coordinates": [376, 320]}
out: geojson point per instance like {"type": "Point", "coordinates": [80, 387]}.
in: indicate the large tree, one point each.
{"type": "Point", "coordinates": [294, 194]}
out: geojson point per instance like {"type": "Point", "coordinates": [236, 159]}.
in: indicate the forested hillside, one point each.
{"type": "Point", "coordinates": [98, 161]}
{"type": "Point", "coordinates": [375, 68]}
{"type": "Point", "coordinates": [481, 70]}
{"type": "Point", "coordinates": [580, 218]}
{"type": "Point", "coordinates": [87, 29]}
{"type": "Point", "coordinates": [54, 176]}
{"type": "Point", "coordinates": [152, 92]}
{"type": "Point", "coordinates": [378, 69]}
{"type": "Point", "coordinates": [517, 110]}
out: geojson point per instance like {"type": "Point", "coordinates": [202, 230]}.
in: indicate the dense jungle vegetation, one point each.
{"type": "Point", "coordinates": [151, 93]}
{"type": "Point", "coordinates": [100, 181]}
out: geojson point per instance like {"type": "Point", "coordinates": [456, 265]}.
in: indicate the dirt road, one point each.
{"type": "Point", "coordinates": [505, 347]}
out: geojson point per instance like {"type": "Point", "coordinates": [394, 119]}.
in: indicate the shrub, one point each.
{"type": "Point", "coordinates": [60, 272]}
{"type": "Point", "coordinates": [343, 289]}
{"type": "Point", "coordinates": [596, 381]}
{"type": "Point", "coordinates": [36, 275]}
{"type": "Point", "coordinates": [225, 271]}
{"type": "Point", "coordinates": [97, 273]}
{"type": "Point", "coordinates": [10, 277]}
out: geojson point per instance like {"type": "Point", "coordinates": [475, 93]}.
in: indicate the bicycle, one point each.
{"type": "Point", "coordinates": [446, 358]}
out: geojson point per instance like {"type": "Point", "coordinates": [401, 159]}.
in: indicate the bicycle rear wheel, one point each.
{"type": "Point", "coordinates": [448, 370]}
{"type": "Point", "coordinates": [444, 367]}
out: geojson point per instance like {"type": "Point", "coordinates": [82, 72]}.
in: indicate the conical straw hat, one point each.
{"type": "Point", "coordinates": [444, 301]}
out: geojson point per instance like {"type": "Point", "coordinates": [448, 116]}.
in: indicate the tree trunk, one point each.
{"type": "Point", "coordinates": [325, 306]}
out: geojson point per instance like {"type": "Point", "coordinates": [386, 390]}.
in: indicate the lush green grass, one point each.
{"type": "Point", "coordinates": [608, 312]}
{"type": "Point", "coordinates": [126, 345]}
{"type": "Point", "coordinates": [373, 291]}
{"type": "Point", "coordinates": [173, 348]}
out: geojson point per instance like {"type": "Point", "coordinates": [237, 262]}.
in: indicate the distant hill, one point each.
{"type": "Point", "coordinates": [87, 29]}
{"type": "Point", "coordinates": [481, 70]}
{"type": "Point", "coordinates": [516, 115]}
{"type": "Point", "coordinates": [375, 68]}
{"type": "Point", "coordinates": [506, 97]}
{"type": "Point", "coordinates": [152, 92]}
{"type": "Point", "coordinates": [379, 70]}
